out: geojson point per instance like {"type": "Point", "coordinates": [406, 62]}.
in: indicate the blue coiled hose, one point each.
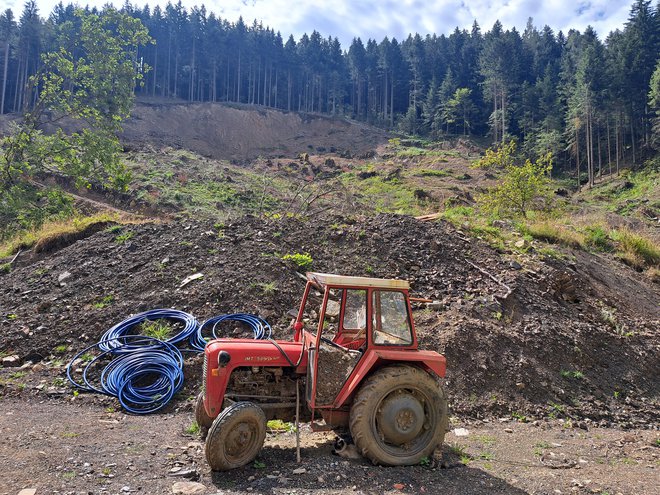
{"type": "Point", "coordinates": [144, 373]}
{"type": "Point", "coordinates": [261, 330]}
{"type": "Point", "coordinates": [110, 338]}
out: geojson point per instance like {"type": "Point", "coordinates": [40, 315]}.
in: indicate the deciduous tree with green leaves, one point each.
{"type": "Point", "coordinates": [522, 189]}
{"type": "Point", "coordinates": [87, 85]}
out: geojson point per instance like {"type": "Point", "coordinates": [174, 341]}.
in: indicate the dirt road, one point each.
{"type": "Point", "coordinates": [81, 445]}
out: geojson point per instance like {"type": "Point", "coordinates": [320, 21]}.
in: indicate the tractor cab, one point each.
{"type": "Point", "coordinates": [356, 315]}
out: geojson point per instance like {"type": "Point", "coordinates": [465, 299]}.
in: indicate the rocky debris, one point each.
{"type": "Point", "coordinates": [516, 340]}
{"type": "Point", "coordinates": [11, 361]}
{"type": "Point", "coordinates": [188, 488]}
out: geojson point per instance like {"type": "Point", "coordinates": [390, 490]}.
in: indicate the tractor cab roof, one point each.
{"type": "Point", "coordinates": [327, 279]}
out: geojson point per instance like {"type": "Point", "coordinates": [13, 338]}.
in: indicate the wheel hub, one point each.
{"type": "Point", "coordinates": [400, 418]}
{"type": "Point", "coordinates": [239, 439]}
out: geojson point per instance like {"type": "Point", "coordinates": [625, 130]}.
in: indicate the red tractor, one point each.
{"type": "Point", "coordinates": [359, 367]}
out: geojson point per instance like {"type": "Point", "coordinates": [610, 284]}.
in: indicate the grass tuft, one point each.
{"type": "Point", "coordinates": [636, 250]}
{"type": "Point", "coordinates": [553, 233]}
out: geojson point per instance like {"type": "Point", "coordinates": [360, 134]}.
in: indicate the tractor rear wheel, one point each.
{"type": "Point", "coordinates": [203, 419]}
{"type": "Point", "coordinates": [236, 436]}
{"type": "Point", "coordinates": [399, 416]}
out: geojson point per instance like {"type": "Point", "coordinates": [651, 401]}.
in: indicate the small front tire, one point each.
{"type": "Point", "coordinates": [203, 419]}
{"type": "Point", "coordinates": [236, 436]}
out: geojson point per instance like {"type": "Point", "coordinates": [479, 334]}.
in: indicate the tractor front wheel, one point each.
{"type": "Point", "coordinates": [203, 420]}
{"type": "Point", "coordinates": [236, 436]}
{"type": "Point", "coordinates": [399, 416]}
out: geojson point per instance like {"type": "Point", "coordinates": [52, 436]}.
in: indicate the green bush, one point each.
{"type": "Point", "coordinates": [597, 237]}
{"type": "Point", "coordinates": [302, 260]}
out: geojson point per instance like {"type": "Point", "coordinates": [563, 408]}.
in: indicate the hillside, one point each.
{"type": "Point", "coordinates": [244, 132]}
{"type": "Point", "coordinates": [549, 341]}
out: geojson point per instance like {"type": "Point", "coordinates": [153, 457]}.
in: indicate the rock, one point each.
{"type": "Point", "coordinates": [332, 309]}
{"type": "Point", "coordinates": [435, 305]}
{"type": "Point", "coordinates": [190, 278]}
{"type": "Point", "coordinates": [28, 491]}
{"type": "Point", "coordinates": [461, 432]}
{"type": "Point", "coordinates": [508, 430]}
{"type": "Point", "coordinates": [185, 473]}
{"type": "Point", "coordinates": [187, 488]}
{"type": "Point", "coordinates": [299, 471]}
{"type": "Point", "coordinates": [514, 264]}
{"type": "Point", "coordinates": [63, 276]}
{"type": "Point", "coordinates": [520, 243]}
{"type": "Point", "coordinates": [11, 361]}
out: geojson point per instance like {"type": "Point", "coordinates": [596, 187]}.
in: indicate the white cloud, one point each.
{"type": "Point", "coordinates": [379, 18]}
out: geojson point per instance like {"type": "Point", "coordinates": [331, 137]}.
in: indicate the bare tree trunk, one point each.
{"type": "Point", "coordinates": [191, 89]}
{"type": "Point", "coordinates": [392, 101]}
{"type": "Point", "coordinates": [632, 140]}
{"type": "Point", "coordinates": [4, 77]}
{"type": "Point", "coordinates": [609, 147]}
{"type": "Point", "coordinates": [238, 85]}
{"type": "Point", "coordinates": [176, 74]}
{"type": "Point", "coordinates": [600, 161]}
{"type": "Point", "coordinates": [169, 65]}
{"type": "Point", "coordinates": [214, 80]}
{"type": "Point", "coordinates": [577, 155]}
{"type": "Point", "coordinates": [289, 92]}
{"type": "Point", "coordinates": [617, 142]}
{"type": "Point", "coordinates": [503, 116]}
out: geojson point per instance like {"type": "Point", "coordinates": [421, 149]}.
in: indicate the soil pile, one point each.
{"type": "Point", "coordinates": [244, 132]}
{"type": "Point", "coordinates": [576, 340]}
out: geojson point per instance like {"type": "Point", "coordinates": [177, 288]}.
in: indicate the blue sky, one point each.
{"type": "Point", "coordinates": [396, 18]}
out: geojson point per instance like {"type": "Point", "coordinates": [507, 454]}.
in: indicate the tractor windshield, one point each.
{"type": "Point", "coordinates": [391, 323]}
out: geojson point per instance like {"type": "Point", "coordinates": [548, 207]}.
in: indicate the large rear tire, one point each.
{"type": "Point", "coordinates": [236, 436]}
{"type": "Point", "coordinates": [399, 416]}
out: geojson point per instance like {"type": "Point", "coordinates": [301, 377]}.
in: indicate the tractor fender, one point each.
{"type": "Point", "coordinates": [430, 361]}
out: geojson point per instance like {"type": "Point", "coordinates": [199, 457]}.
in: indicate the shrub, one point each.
{"type": "Point", "coordinates": [597, 237]}
{"type": "Point", "coordinates": [522, 189]}
{"type": "Point", "coordinates": [302, 260]}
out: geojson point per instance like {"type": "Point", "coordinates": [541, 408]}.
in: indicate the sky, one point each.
{"type": "Point", "coordinates": [376, 19]}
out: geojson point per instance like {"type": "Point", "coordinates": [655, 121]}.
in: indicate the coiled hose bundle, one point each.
{"type": "Point", "coordinates": [144, 373]}
{"type": "Point", "coordinates": [261, 330]}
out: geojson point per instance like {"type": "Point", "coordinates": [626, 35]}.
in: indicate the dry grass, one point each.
{"type": "Point", "coordinates": [554, 233]}
{"type": "Point", "coordinates": [636, 250]}
{"type": "Point", "coordinates": [53, 234]}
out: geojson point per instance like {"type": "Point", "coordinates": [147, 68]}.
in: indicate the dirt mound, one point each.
{"type": "Point", "coordinates": [244, 132]}
{"type": "Point", "coordinates": [573, 340]}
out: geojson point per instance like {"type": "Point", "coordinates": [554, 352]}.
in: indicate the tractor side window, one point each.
{"type": "Point", "coordinates": [355, 311]}
{"type": "Point", "coordinates": [391, 324]}
{"type": "Point", "coordinates": [331, 321]}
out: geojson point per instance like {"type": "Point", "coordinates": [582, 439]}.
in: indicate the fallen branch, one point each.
{"type": "Point", "coordinates": [14, 258]}
{"type": "Point", "coordinates": [509, 290]}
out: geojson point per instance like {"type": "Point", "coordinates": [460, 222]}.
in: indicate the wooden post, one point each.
{"type": "Point", "coordinates": [297, 421]}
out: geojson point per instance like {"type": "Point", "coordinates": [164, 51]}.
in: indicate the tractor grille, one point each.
{"type": "Point", "coordinates": [204, 375]}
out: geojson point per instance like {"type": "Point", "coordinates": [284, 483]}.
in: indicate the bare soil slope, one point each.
{"type": "Point", "coordinates": [573, 340]}
{"type": "Point", "coordinates": [243, 132]}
